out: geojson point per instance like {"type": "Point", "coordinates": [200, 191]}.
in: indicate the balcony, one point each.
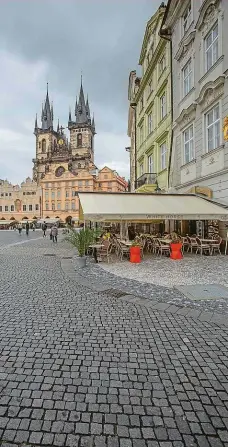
{"type": "Point", "coordinates": [147, 182]}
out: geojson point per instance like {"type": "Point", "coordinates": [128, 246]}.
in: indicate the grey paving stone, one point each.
{"type": "Point", "coordinates": [89, 369]}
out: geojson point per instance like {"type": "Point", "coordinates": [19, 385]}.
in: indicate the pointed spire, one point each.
{"type": "Point", "coordinates": [47, 113]}
{"type": "Point", "coordinates": [93, 122]}
{"type": "Point", "coordinates": [36, 125]}
{"type": "Point", "coordinates": [52, 113]}
{"type": "Point", "coordinates": [69, 115]}
{"type": "Point", "coordinates": [58, 126]}
{"type": "Point", "coordinates": [81, 113]}
{"type": "Point", "coordinates": [76, 106]}
{"type": "Point", "coordinates": [87, 107]}
{"type": "Point", "coordinates": [42, 111]}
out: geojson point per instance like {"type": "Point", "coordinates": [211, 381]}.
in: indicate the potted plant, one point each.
{"type": "Point", "coordinates": [176, 247]}
{"type": "Point", "coordinates": [81, 240]}
{"type": "Point", "coordinates": [135, 251]}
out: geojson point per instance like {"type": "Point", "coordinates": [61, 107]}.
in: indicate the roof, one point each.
{"type": "Point", "coordinates": [146, 207]}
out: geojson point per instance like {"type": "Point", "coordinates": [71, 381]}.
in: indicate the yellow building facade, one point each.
{"type": "Point", "coordinates": [153, 109]}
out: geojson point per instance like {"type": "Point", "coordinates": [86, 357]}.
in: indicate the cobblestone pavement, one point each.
{"type": "Point", "coordinates": [110, 274]}
{"type": "Point", "coordinates": [82, 368]}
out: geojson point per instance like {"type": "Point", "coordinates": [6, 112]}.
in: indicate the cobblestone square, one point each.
{"type": "Point", "coordinates": [86, 368]}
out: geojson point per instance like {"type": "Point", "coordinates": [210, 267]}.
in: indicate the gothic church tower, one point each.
{"type": "Point", "coordinates": [82, 130]}
{"type": "Point", "coordinates": [45, 139]}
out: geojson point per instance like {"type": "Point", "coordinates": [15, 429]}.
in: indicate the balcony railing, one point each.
{"type": "Point", "coordinates": [148, 178]}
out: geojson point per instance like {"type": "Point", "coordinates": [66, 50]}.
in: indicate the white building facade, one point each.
{"type": "Point", "coordinates": [198, 30]}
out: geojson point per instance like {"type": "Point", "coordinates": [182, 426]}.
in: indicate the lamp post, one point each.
{"type": "Point", "coordinates": [157, 189]}
{"type": "Point", "coordinates": [133, 105]}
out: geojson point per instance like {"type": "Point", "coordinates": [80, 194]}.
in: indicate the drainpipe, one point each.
{"type": "Point", "coordinates": [133, 105]}
{"type": "Point", "coordinates": [165, 34]}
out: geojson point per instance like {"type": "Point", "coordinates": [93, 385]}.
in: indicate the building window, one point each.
{"type": "Point", "coordinates": [66, 206]}
{"type": "Point", "coordinates": [58, 194]}
{"type": "Point", "coordinates": [53, 206]}
{"type": "Point", "coordinates": [58, 206]}
{"type": "Point", "coordinates": [162, 64]}
{"type": "Point", "coordinates": [141, 104]}
{"type": "Point", "coordinates": [163, 151]}
{"type": "Point", "coordinates": [24, 207]}
{"type": "Point", "coordinates": [37, 207]}
{"type": "Point", "coordinates": [150, 164]}
{"type": "Point", "coordinates": [0, 207]}
{"type": "Point", "coordinates": [188, 139]}
{"type": "Point", "coordinates": [53, 194]}
{"type": "Point", "coordinates": [150, 123]}
{"type": "Point", "coordinates": [6, 208]}
{"type": "Point", "coordinates": [187, 18]}
{"type": "Point", "coordinates": [46, 194]}
{"type": "Point", "coordinates": [46, 206]}
{"type": "Point", "coordinates": [163, 105]}
{"type": "Point", "coordinates": [30, 207]}
{"type": "Point", "coordinates": [87, 182]}
{"type": "Point", "coordinates": [211, 47]}
{"type": "Point", "coordinates": [80, 183]}
{"type": "Point", "coordinates": [73, 206]}
{"type": "Point", "coordinates": [74, 193]}
{"type": "Point", "coordinates": [12, 208]}
{"type": "Point", "coordinates": [109, 184]}
{"type": "Point", "coordinates": [187, 78]}
{"type": "Point", "coordinates": [67, 194]}
{"type": "Point", "coordinates": [141, 169]}
{"type": "Point", "coordinates": [213, 128]}
{"type": "Point", "coordinates": [6, 194]}
{"type": "Point", "coordinates": [79, 140]}
{"type": "Point", "coordinates": [141, 135]}
{"type": "Point", "coordinates": [10, 194]}
{"type": "Point", "coordinates": [43, 146]}
{"type": "Point", "coordinates": [2, 194]}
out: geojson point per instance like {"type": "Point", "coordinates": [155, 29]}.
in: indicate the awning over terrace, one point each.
{"type": "Point", "coordinates": [148, 207]}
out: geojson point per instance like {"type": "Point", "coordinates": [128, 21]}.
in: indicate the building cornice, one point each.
{"type": "Point", "coordinates": [207, 12]}
{"type": "Point", "coordinates": [184, 45]}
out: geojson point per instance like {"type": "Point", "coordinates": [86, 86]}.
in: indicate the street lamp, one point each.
{"type": "Point", "coordinates": [157, 189]}
{"type": "Point", "coordinates": [133, 105]}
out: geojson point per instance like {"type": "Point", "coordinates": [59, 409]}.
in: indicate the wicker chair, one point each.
{"type": "Point", "coordinates": [163, 248]}
{"type": "Point", "coordinates": [215, 246]}
{"type": "Point", "coordinates": [202, 247]}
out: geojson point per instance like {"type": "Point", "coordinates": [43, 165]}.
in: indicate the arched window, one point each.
{"type": "Point", "coordinates": [79, 140]}
{"type": "Point", "coordinates": [43, 146]}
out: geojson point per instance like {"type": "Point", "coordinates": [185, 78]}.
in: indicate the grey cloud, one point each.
{"type": "Point", "coordinates": [102, 38]}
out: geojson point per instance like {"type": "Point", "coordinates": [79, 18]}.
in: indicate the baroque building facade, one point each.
{"type": "Point", "coordinates": [61, 169]}
{"type": "Point", "coordinates": [198, 34]}
{"type": "Point", "coordinates": [150, 106]}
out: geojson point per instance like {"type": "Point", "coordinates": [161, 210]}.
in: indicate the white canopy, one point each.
{"type": "Point", "coordinates": [145, 207]}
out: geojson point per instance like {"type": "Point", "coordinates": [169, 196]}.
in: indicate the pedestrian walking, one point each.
{"type": "Point", "coordinates": [33, 227]}
{"type": "Point", "coordinates": [19, 228]}
{"type": "Point", "coordinates": [27, 228]}
{"type": "Point", "coordinates": [54, 233]}
{"type": "Point", "coordinates": [44, 228]}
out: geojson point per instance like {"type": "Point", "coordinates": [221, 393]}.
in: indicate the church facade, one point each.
{"type": "Point", "coordinates": [61, 168]}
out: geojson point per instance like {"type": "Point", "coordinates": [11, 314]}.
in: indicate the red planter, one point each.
{"type": "Point", "coordinates": [135, 255]}
{"type": "Point", "coordinates": [176, 251]}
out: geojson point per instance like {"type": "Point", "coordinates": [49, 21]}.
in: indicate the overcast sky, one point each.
{"type": "Point", "coordinates": [54, 40]}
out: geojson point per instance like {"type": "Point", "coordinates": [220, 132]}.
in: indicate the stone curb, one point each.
{"type": "Point", "coordinates": [187, 312]}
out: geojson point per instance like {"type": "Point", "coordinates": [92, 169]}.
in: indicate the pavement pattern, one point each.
{"type": "Point", "coordinates": [90, 369]}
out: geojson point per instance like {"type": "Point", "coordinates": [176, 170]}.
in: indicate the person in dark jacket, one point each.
{"type": "Point", "coordinates": [27, 228]}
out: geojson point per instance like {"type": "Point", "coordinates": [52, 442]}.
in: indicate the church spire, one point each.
{"type": "Point", "coordinates": [93, 123]}
{"type": "Point", "coordinates": [36, 125]}
{"type": "Point", "coordinates": [47, 114]}
{"type": "Point", "coordinates": [58, 126]}
{"type": "Point", "coordinates": [70, 119]}
{"type": "Point", "coordinates": [87, 108]}
{"type": "Point", "coordinates": [81, 111]}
